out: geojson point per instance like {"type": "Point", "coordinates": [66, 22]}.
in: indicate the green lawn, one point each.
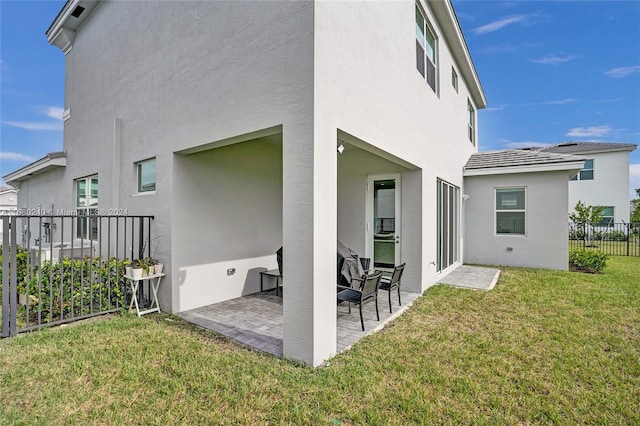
{"type": "Point", "coordinates": [542, 347]}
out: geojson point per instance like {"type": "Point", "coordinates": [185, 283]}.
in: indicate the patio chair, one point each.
{"type": "Point", "coordinates": [389, 283]}
{"type": "Point", "coordinates": [367, 290]}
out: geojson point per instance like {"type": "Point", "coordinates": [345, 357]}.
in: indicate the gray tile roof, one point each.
{"type": "Point", "coordinates": [580, 147]}
{"type": "Point", "coordinates": [516, 157]}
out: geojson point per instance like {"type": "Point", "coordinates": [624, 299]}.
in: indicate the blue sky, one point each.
{"type": "Point", "coordinates": [556, 71]}
{"type": "Point", "coordinates": [552, 71]}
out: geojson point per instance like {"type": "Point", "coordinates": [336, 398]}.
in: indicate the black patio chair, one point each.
{"type": "Point", "coordinates": [389, 283]}
{"type": "Point", "coordinates": [367, 290]}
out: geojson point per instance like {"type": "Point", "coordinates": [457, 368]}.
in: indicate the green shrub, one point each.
{"type": "Point", "coordinates": [21, 261]}
{"type": "Point", "coordinates": [576, 234]}
{"type": "Point", "coordinates": [616, 236]}
{"type": "Point", "coordinates": [68, 287]}
{"type": "Point", "coordinates": [589, 261]}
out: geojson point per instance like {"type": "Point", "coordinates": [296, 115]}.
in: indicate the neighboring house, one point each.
{"type": "Point", "coordinates": [8, 199]}
{"type": "Point", "coordinates": [348, 121]}
{"type": "Point", "coordinates": [604, 180]}
{"type": "Point", "coordinates": [8, 203]}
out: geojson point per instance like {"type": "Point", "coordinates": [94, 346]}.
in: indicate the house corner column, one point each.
{"type": "Point", "coordinates": [309, 241]}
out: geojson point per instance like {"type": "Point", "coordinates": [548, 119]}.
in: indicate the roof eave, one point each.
{"type": "Point", "coordinates": [49, 162]}
{"type": "Point", "coordinates": [444, 12]}
{"type": "Point", "coordinates": [61, 32]}
{"type": "Point", "coordinates": [570, 166]}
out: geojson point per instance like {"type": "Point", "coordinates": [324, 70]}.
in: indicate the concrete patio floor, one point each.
{"type": "Point", "coordinates": [256, 320]}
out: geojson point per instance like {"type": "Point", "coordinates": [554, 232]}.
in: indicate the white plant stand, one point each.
{"type": "Point", "coordinates": [154, 280]}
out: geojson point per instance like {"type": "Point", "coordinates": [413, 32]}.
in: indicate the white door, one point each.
{"type": "Point", "coordinates": [383, 224]}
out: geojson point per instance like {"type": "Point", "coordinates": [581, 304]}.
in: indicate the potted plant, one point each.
{"type": "Point", "coordinates": [157, 266]}
{"type": "Point", "coordinates": [138, 268]}
{"type": "Point", "coordinates": [127, 267]}
{"type": "Point", "coordinates": [152, 262]}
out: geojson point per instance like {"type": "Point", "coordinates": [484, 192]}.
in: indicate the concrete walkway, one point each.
{"type": "Point", "coordinates": [473, 277]}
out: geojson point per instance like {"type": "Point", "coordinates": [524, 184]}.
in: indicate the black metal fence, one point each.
{"type": "Point", "coordinates": [616, 239]}
{"type": "Point", "coordinates": [62, 268]}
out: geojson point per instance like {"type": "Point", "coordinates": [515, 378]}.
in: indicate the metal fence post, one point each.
{"type": "Point", "coordinates": [13, 269]}
{"type": "Point", "coordinates": [628, 239]}
{"type": "Point", "coordinates": [5, 276]}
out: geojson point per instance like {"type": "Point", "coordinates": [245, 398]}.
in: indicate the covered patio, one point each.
{"type": "Point", "coordinates": [237, 200]}
{"type": "Point", "coordinates": [256, 320]}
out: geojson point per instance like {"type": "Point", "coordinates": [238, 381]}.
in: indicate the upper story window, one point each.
{"type": "Point", "coordinates": [510, 211]}
{"type": "Point", "coordinates": [87, 205]}
{"type": "Point", "coordinates": [425, 48]}
{"type": "Point", "coordinates": [586, 173]}
{"type": "Point", "coordinates": [146, 173]}
{"type": "Point", "coordinates": [454, 79]}
{"type": "Point", "coordinates": [472, 123]}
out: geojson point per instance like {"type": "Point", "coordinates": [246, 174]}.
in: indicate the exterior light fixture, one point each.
{"type": "Point", "coordinates": [340, 148]}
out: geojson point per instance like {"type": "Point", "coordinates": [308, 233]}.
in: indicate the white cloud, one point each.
{"type": "Point", "coordinates": [35, 125]}
{"type": "Point", "coordinates": [498, 108]}
{"type": "Point", "coordinates": [15, 156]}
{"type": "Point", "coordinates": [507, 48]}
{"type": "Point", "coordinates": [555, 102]}
{"type": "Point", "coordinates": [622, 71]}
{"type": "Point", "coordinates": [558, 102]}
{"type": "Point", "coordinates": [53, 112]}
{"type": "Point", "coordinates": [497, 25]}
{"type": "Point", "coordinates": [553, 60]}
{"type": "Point", "coordinates": [606, 101]}
{"type": "Point", "coordinates": [634, 179]}
{"type": "Point", "coordinates": [593, 131]}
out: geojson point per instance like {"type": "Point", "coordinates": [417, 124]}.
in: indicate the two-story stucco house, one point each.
{"type": "Point", "coordinates": [247, 126]}
{"type": "Point", "coordinates": [223, 120]}
{"type": "Point", "coordinates": [604, 180]}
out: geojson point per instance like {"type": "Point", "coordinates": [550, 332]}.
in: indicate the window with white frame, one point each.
{"type": "Point", "coordinates": [586, 173]}
{"type": "Point", "coordinates": [425, 48]}
{"type": "Point", "coordinates": [607, 216]}
{"type": "Point", "coordinates": [454, 79]}
{"type": "Point", "coordinates": [87, 206]}
{"type": "Point", "coordinates": [510, 211]}
{"type": "Point", "coordinates": [471, 123]}
{"type": "Point", "coordinates": [146, 175]}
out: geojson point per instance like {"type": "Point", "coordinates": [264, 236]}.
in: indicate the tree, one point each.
{"type": "Point", "coordinates": [586, 214]}
{"type": "Point", "coordinates": [635, 214]}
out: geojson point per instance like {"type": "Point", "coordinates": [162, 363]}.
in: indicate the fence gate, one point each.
{"type": "Point", "coordinates": [62, 268]}
{"type": "Point", "coordinates": [616, 239]}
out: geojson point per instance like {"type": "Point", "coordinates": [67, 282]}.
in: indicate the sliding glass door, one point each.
{"type": "Point", "coordinates": [448, 214]}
